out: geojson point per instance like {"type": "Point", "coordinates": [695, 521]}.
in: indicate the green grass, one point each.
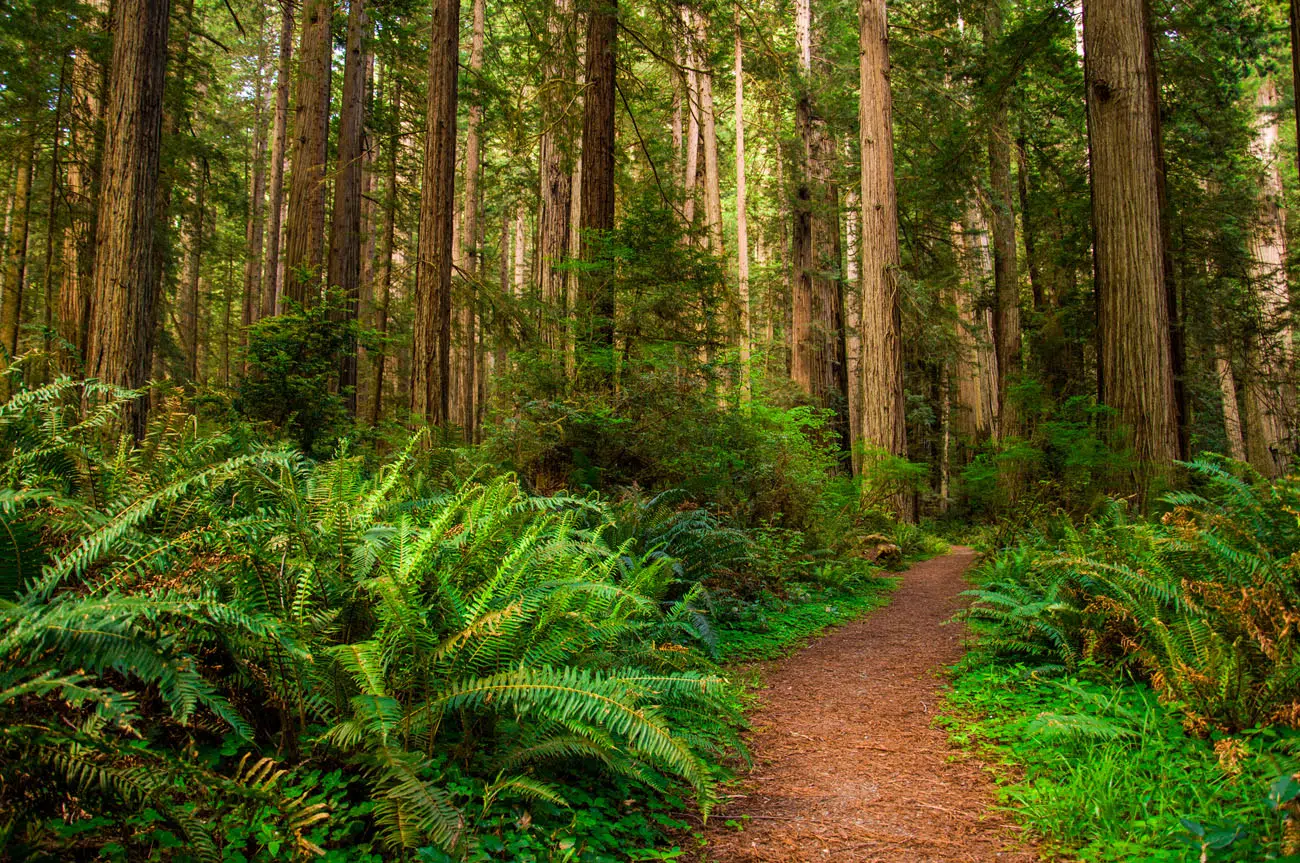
{"type": "Point", "coordinates": [1101, 771]}
{"type": "Point", "coordinates": [773, 627]}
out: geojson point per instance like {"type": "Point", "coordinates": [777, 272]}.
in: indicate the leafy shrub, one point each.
{"type": "Point", "coordinates": [292, 363]}
{"type": "Point", "coordinates": [200, 593]}
{"type": "Point", "coordinates": [1202, 603]}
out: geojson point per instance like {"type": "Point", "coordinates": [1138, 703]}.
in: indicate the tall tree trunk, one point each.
{"type": "Point", "coordinates": [556, 170]}
{"type": "Point", "coordinates": [470, 230]}
{"type": "Point", "coordinates": [390, 231]}
{"type": "Point", "coordinates": [256, 193]}
{"type": "Point", "coordinates": [818, 307]}
{"type": "Point", "coordinates": [431, 378]}
{"type": "Point", "coordinates": [1295, 61]}
{"type": "Point", "coordinates": [883, 416]}
{"type": "Point", "coordinates": [122, 297]}
{"type": "Point", "coordinates": [853, 323]}
{"type": "Point", "coordinates": [709, 135]}
{"type": "Point", "coordinates": [596, 288]}
{"type": "Point", "coordinates": [1231, 414]}
{"type": "Point", "coordinates": [1135, 353]}
{"type": "Point", "coordinates": [742, 218]}
{"type": "Point", "coordinates": [86, 141]}
{"type": "Point", "coordinates": [976, 367]}
{"type": "Point", "coordinates": [1028, 227]}
{"type": "Point", "coordinates": [305, 233]}
{"type": "Point", "coordinates": [15, 273]}
{"type": "Point", "coordinates": [189, 294]}
{"type": "Point", "coordinates": [1270, 388]}
{"type": "Point", "coordinates": [1006, 278]}
{"type": "Point", "coordinates": [52, 228]}
{"type": "Point", "coordinates": [691, 169]}
{"type": "Point", "coordinates": [345, 224]}
{"type": "Point", "coordinates": [271, 287]}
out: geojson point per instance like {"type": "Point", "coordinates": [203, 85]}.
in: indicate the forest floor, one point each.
{"type": "Point", "coordinates": [848, 765]}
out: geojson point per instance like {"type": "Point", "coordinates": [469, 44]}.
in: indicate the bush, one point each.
{"type": "Point", "coordinates": [455, 648]}
{"type": "Point", "coordinates": [1202, 603]}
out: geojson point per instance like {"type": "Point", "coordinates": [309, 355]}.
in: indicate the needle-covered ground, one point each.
{"type": "Point", "coordinates": [848, 763]}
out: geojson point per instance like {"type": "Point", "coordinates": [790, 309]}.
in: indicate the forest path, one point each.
{"type": "Point", "coordinates": [847, 764]}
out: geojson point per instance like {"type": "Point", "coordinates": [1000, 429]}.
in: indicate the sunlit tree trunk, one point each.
{"type": "Point", "coordinates": [304, 253]}
{"type": "Point", "coordinates": [1135, 353]}
{"type": "Point", "coordinates": [818, 364]}
{"type": "Point", "coordinates": [742, 218]}
{"type": "Point", "coordinates": [188, 302]}
{"type": "Point", "coordinates": [1006, 277]}
{"type": "Point", "coordinates": [256, 194]}
{"type": "Point", "coordinates": [122, 301]}
{"type": "Point", "coordinates": [431, 370]}
{"type": "Point", "coordinates": [556, 167]}
{"type": "Point", "coordinates": [271, 285]}
{"type": "Point", "coordinates": [1270, 390]}
{"type": "Point", "coordinates": [384, 300]}
{"type": "Point", "coordinates": [1231, 414]}
{"type": "Point", "coordinates": [976, 366]}
{"type": "Point", "coordinates": [853, 321]}
{"type": "Point", "coordinates": [472, 261]}
{"type": "Point", "coordinates": [85, 148]}
{"type": "Point", "coordinates": [883, 416]}
{"type": "Point", "coordinates": [345, 223]}
{"type": "Point", "coordinates": [709, 135]}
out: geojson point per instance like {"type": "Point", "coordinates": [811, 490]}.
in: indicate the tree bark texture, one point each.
{"type": "Point", "coordinates": [15, 271]}
{"type": "Point", "coordinates": [1270, 389]}
{"type": "Point", "coordinates": [976, 366]}
{"type": "Point", "coordinates": [271, 284]}
{"type": "Point", "coordinates": [596, 289]}
{"type": "Point", "coordinates": [742, 217]}
{"type": "Point", "coordinates": [254, 237]}
{"type": "Point", "coordinates": [122, 299]}
{"type": "Point", "coordinates": [883, 415]}
{"type": "Point", "coordinates": [85, 152]}
{"type": "Point", "coordinates": [431, 371]}
{"type": "Point", "coordinates": [304, 253]}
{"type": "Point", "coordinates": [556, 170]}
{"type": "Point", "coordinates": [1135, 352]}
{"type": "Point", "coordinates": [345, 222]}
{"type": "Point", "coordinates": [1005, 271]}
{"type": "Point", "coordinates": [472, 260]}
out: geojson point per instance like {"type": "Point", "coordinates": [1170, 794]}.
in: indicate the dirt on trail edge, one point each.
{"type": "Point", "coordinates": [847, 765]}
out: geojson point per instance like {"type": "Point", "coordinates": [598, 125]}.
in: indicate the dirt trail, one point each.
{"type": "Point", "coordinates": [847, 765]}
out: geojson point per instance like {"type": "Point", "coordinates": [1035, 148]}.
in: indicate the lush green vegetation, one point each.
{"type": "Point", "coordinates": [218, 648]}
{"type": "Point", "coordinates": [1145, 673]}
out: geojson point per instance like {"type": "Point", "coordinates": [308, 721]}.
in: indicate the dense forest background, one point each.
{"type": "Point", "coordinates": [545, 226]}
{"type": "Point", "coordinates": [409, 409]}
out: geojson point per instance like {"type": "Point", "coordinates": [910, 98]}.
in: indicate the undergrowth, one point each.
{"type": "Point", "coordinates": [1100, 770]}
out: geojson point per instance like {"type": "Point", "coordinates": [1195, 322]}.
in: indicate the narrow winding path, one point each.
{"type": "Point", "coordinates": [847, 764]}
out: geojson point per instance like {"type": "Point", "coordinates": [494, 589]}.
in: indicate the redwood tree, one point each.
{"type": "Point", "coordinates": [122, 299]}
{"type": "Point", "coordinates": [883, 418]}
{"type": "Point", "coordinates": [305, 234]}
{"type": "Point", "coordinates": [596, 290]}
{"type": "Point", "coordinates": [431, 376]}
{"type": "Point", "coordinates": [1135, 352]}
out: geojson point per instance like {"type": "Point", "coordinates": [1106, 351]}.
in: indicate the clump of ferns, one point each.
{"type": "Point", "coordinates": [402, 617]}
{"type": "Point", "coordinates": [527, 656]}
{"type": "Point", "coordinates": [1205, 602]}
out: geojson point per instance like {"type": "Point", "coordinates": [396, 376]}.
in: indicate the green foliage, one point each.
{"type": "Point", "coordinates": [1105, 772]}
{"type": "Point", "coordinates": [1201, 603]}
{"type": "Point", "coordinates": [292, 363]}
{"type": "Point", "coordinates": [455, 648]}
